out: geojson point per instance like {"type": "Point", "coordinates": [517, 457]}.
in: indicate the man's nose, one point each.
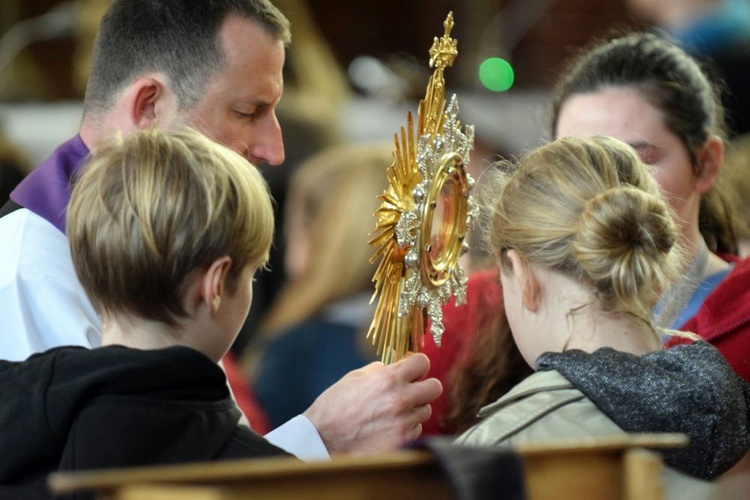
{"type": "Point", "coordinates": [269, 148]}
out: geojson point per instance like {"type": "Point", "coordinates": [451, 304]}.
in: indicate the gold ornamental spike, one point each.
{"type": "Point", "coordinates": [422, 222]}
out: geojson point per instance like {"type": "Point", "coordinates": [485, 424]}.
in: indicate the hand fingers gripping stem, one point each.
{"type": "Point", "coordinates": [377, 407]}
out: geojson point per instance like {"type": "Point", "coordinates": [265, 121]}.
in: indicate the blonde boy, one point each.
{"type": "Point", "coordinates": [166, 231]}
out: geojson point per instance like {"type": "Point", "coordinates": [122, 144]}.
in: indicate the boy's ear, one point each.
{"type": "Point", "coordinates": [526, 280]}
{"type": "Point", "coordinates": [709, 157]}
{"type": "Point", "coordinates": [214, 282]}
{"type": "Point", "coordinates": [148, 99]}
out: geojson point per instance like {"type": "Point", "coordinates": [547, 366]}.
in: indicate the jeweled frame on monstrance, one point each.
{"type": "Point", "coordinates": [424, 217]}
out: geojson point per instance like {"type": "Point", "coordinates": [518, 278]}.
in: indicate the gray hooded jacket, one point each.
{"type": "Point", "coordinates": [688, 389]}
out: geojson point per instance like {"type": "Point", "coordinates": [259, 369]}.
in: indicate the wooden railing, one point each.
{"type": "Point", "coordinates": [617, 468]}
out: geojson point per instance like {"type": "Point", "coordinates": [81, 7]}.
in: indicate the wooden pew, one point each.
{"type": "Point", "coordinates": [616, 467]}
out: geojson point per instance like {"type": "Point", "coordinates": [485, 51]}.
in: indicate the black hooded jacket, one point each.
{"type": "Point", "coordinates": [72, 408]}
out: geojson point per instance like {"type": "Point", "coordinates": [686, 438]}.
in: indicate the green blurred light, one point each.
{"type": "Point", "coordinates": [496, 74]}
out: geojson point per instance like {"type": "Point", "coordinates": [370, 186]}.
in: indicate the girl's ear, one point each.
{"type": "Point", "coordinates": [709, 157]}
{"type": "Point", "coordinates": [526, 281]}
{"type": "Point", "coordinates": [214, 282]}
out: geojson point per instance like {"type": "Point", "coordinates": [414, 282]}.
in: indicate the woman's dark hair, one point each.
{"type": "Point", "coordinates": [673, 82]}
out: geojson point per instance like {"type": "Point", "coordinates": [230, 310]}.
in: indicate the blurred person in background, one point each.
{"type": "Point", "coordinates": [737, 167]}
{"type": "Point", "coordinates": [315, 330]}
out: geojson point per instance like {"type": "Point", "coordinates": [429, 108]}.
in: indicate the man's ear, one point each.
{"type": "Point", "coordinates": [148, 99]}
{"type": "Point", "coordinates": [526, 280]}
{"type": "Point", "coordinates": [213, 282]}
{"type": "Point", "coordinates": [709, 157]}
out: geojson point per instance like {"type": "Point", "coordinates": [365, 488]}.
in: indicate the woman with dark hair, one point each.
{"type": "Point", "coordinates": [647, 92]}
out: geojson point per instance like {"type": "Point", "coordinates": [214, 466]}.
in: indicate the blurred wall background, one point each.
{"type": "Point", "coordinates": [353, 72]}
{"type": "Point", "coordinates": [45, 49]}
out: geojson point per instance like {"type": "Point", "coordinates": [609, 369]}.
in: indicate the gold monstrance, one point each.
{"type": "Point", "coordinates": [422, 221]}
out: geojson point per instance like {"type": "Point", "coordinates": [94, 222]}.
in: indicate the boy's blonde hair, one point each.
{"type": "Point", "coordinates": [151, 209]}
{"type": "Point", "coordinates": [589, 208]}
